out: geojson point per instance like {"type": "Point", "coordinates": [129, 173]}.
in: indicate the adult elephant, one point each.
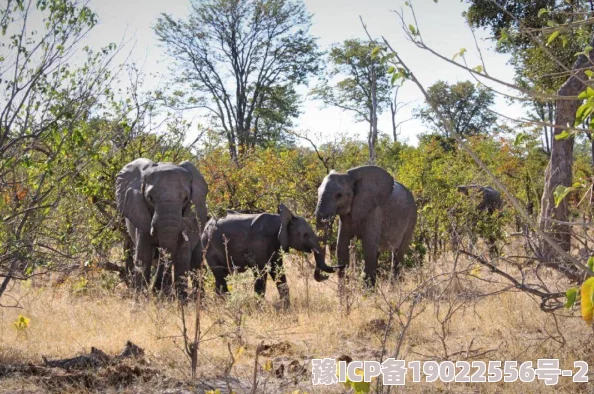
{"type": "Point", "coordinates": [245, 241]}
{"type": "Point", "coordinates": [382, 213]}
{"type": "Point", "coordinates": [156, 199]}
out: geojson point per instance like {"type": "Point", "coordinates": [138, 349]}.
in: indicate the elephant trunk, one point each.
{"type": "Point", "coordinates": [167, 227]}
{"type": "Point", "coordinates": [168, 242]}
{"type": "Point", "coordinates": [321, 266]}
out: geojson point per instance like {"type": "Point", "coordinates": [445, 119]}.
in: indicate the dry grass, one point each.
{"type": "Point", "coordinates": [453, 318]}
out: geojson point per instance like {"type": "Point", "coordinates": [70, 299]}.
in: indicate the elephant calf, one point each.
{"type": "Point", "coordinates": [253, 241]}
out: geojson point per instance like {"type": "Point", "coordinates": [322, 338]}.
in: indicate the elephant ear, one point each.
{"type": "Point", "coordinates": [283, 234]}
{"type": "Point", "coordinates": [199, 191]}
{"type": "Point", "coordinates": [372, 187]}
{"type": "Point", "coordinates": [129, 198]}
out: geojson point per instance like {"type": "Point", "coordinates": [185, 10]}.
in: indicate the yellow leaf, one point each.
{"type": "Point", "coordinates": [476, 271]}
{"type": "Point", "coordinates": [586, 300]}
{"type": "Point", "coordinates": [267, 365]}
{"type": "Point", "coordinates": [21, 323]}
{"type": "Point", "coordinates": [239, 352]}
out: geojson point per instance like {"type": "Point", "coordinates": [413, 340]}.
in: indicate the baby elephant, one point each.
{"type": "Point", "coordinates": [253, 241]}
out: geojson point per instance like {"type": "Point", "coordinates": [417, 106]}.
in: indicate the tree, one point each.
{"type": "Point", "coordinates": [364, 90]}
{"type": "Point", "coordinates": [529, 30]}
{"type": "Point", "coordinates": [466, 106]}
{"type": "Point", "coordinates": [44, 102]}
{"type": "Point", "coordinates": [241, 61]}
{"type": "Point", "coordinates": [522, 28]}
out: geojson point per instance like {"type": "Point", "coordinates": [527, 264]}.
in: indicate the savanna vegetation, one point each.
{"type": "Point", "coordinates": [71, 118]}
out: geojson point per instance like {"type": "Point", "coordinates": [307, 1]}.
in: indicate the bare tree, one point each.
{"type": "Point", "coordinates": [242, 60]}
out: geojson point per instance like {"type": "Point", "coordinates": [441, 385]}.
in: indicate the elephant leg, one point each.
{"type": "Point", "coordinates": [163, 280]}
{"type": "Point", "coordinates": [142, 260]}
{"type": "Point", "coordinates": [277, 272]}
{"type": "Point", "coordinates": [260, 281]}
{"type": "Point", "coordinates": [221, 281]}
{"type": "Point", "coordinates": [397, 259]}
{"type": "Point", "coordinates": [128, 259]}
{"type": "Point", "coordinates": [181, 267]}
{"type": "Point", "coordinates": [342, 248]}
{"type": "Point", "coordinates": [219, 270]}
{"type": "Point", "coordinates": [370, 254]}
{"type": "Point", "coordinates": [196, 267]}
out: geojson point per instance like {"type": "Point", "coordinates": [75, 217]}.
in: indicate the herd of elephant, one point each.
{"type": "Point", "coordinates": [164, 206]}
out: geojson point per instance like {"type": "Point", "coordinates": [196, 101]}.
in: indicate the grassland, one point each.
{"type": "Point", "coordinates": [450, 308]}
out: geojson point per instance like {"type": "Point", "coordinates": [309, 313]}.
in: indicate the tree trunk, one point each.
{"type": "Point", "coordinates": [393, 113]}
{"type": "Point", "coordinates": [559, 169]}
{"type": "Point", "coordinates": [591, 138]}
{"type": "Point", "coordinates": [373, 127]}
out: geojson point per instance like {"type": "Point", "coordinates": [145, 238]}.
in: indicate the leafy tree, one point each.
{"type": "Point", "coordinates": [522, 28]}
{"type": "Point", "coordinates": [544, 39]}
{"type": "Point", "coordinates": [240, 61]}
{"type": "Point", "coordinates": [44, 103]}
{"type": "Point", "coordinates": [364, 88]}
{"type": "Point", "coordinates": [464, 104]}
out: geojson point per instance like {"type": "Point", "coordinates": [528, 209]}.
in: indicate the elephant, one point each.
{"type": "Point", "coordinates": [381, 212]}
{"type": "Point", "coordinates": [156, 201]}
{"type": "Point", "coordinates": [245, 241]}
{"type": "Point", "coordinates": [488, 203]}
{"type": "Point", "coordinates": [490, 199]}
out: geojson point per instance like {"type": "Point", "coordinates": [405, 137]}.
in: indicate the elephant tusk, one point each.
{"type": "Point", "coordinates": [185, 236]}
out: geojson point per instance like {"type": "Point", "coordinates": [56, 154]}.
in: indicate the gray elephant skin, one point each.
{"type": "Point", "coordinates": [373, 207]}
{"type": "Point", "coordinates": [241, 241]}
{"type": "Point", "coordinates": [489, 202]}
{"type": "Point", "coordinates": [156, 200]}
{"type": "Point", "coordinates": [490, 199]}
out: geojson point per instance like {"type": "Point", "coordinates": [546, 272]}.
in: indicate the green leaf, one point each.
{"type": "Point", "coordinates": [519, 139]}
{"type": "Point", "coordinates": [478, 69]}
{"type": "Point", "coordinates": [412, 30]}
{"type": "Point", "coordinates": [542, 11]}
{"type": "Point", "coordinates": [591, 263]}
{"type": "Point", "coordinates": [571, 295]}
{"type": "Point", "coordinates": [395, 77]}
{"type": "Point", "coordinates": [551, 23]}
{"type": "Point", "coordinates": [560, 193]}
{"type": "Point", "coordinates": [375, 51]}
{"type": "Point", "coordinates": [589, 73]}
{"type": "Point", "coordinates": [391, 70]}
{"type": "Point", "coordinates": [504, 36]}
{"type": "Point", "coordinates": [583, 112]}
{"type": "Point", "coordinates": [563, 135]}
{"type": "Point", "coordinates": [564, 40]}
{"type": "Point", "coordinates": [552, 37]}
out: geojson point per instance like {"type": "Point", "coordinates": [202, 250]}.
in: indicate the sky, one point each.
{"type": "Point", "coordinates": [441, 24]}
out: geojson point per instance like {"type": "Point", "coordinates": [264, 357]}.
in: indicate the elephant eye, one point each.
{"type": "Point", "coordinates": [338, 195]}
{"type": "Point", "coordinates": [306, 235]}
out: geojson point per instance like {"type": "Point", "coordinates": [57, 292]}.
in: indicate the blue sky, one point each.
{"type": "Point", "coordinates": [441, 24]}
